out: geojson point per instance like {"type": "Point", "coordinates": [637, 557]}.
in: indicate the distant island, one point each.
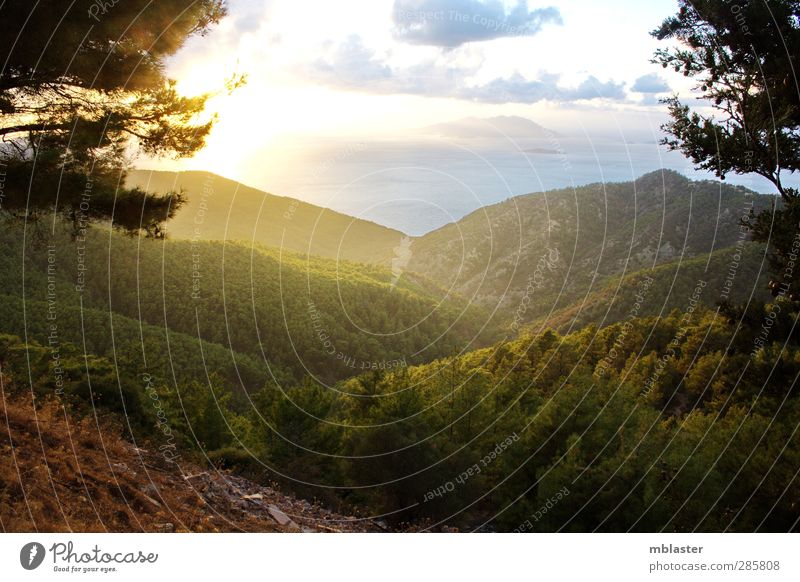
{"type": "Point", "coordinates": [509, 126]}
{"type": "Point", "coordinates": [547, 151]}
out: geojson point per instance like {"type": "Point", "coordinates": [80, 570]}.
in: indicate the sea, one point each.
{"type": "Point", "coordinates": [419, 185]}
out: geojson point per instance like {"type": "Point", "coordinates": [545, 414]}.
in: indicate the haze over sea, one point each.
{"type": "Point", "coordinates": [420, 185]}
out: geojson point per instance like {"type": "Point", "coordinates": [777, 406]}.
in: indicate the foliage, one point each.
{"type": "Point", "coordinates": [741, 56]}
{"type": "Point", "coordinates": [680, 421]}
{"type": "Point", "coordinates": [79, 87]}
{"type": "Point", "coordinates": [267, 313]}
{"type": "Point", "coordinates": [678, 432]}
{"type": "Point", "coordinates": [536, 255]}
{"type": "Point", "coordinates": [219, 209]}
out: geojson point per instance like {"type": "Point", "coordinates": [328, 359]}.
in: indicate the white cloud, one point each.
{"type": "Point", "coordinates": [451, 23]}
{"type": "Point", "coordinates": [353, 66]}
{"type": "Point", "coordinates": [651, 83]}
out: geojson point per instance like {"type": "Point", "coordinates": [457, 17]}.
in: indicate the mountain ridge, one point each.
{"type": "Point", "coordinates": [219, 208]}
{"type": "Point", "coordinates": [592, 232]}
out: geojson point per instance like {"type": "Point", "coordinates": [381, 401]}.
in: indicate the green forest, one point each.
{"type": "Point", "coordinates": [654, 424]}
{"type": "Point", "coordinates": [657, 402]}
{"type": "Point", "coordinates": [614, 356]}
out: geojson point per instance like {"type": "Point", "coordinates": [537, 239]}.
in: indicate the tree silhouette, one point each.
{"type": "Point", "coordinates": [743, 57]}
{"type": "Point", "coordinates": [82, 86]}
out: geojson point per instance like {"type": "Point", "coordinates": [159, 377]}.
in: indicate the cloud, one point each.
{"type": "Point", "coordinates": [593, 88]}
{"type": "Point", "coordinates": [451, 23]}
{"type": "Point", "coordinates": [353, 66]}
{"type": "Point", "coordinates": [247, 16]}
{"type": "Point", "coordinates": [651, 83]}
{"type": "Point", "coordinates": [517, 89]}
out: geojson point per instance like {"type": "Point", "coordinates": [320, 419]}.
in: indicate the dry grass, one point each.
{"type": "Point", "coordinates": [59, 475]}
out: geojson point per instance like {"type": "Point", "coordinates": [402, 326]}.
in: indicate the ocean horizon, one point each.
{"type": "Point", "coordinates": [417, 186]}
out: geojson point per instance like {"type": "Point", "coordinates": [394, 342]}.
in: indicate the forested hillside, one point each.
{"type": "Point", "coordinates": [551, 250]}
{"type": "Point", "coordinates": [680, 423]}
{"type": "Point", "coordinates": [368, 387]}
{"type": "Point", "coordinates": [736, 275]}
{"type": "Point", "coordinates": [560, 253]}
{"type": "Point", "coordinates": [181, 352]}
{"type": "Point", "coordinates": [219, 209]}
{"type": "Point", "coordinates": [284, 313]}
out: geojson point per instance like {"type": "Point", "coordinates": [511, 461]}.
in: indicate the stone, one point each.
{"type": "Point", "coordinates": [279, 516]}
{"type": "Point", "coordinates": [151, 500]}
{"type": "Point", "coordinates": [150, 489]}
{"type": "Point", "coordinates": [195, 476]}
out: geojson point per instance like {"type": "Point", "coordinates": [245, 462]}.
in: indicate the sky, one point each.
{"type": "Point", "coordinates": [350, 69]}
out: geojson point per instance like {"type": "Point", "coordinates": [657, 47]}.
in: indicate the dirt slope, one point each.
{"type": "Point", "coordinates": [59, 475]}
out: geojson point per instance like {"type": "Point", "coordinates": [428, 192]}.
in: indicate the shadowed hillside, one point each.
{"type": "Point", "coordinates": [551, 250]}
{"type": "Point", "coordinates": [258, 308]}
{"type": "Point", "coordinates": [221, 209]}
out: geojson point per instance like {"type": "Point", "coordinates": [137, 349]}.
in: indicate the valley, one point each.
{"type": "Point", "coordinates": [367, 376]}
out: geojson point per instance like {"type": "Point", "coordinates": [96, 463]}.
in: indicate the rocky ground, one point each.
{"type": "Point", "coordinates": [59, 475]}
